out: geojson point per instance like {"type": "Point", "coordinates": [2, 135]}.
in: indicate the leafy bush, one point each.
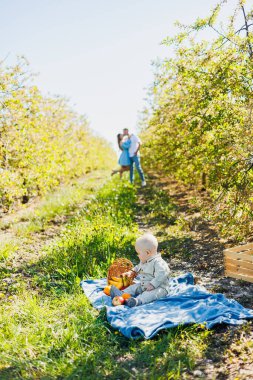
{"type": "Point", "coordinates": [43, 142]}
{"type": "Point", "coordinates": [199, 128]}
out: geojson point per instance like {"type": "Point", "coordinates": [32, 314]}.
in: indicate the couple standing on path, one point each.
{"type": "Point", "coordinates": [130, 156]}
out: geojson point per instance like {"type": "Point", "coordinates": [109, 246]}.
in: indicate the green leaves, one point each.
{"type": "Point", "coordinates": [43, 142]}
{"type": "Point", "coordinates": [201, 114]}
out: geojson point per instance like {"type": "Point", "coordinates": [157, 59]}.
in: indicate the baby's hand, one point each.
{"type": "Point", "coordinates": [150, 287]}
{"type": "Point", "coordinates": [127, 274]}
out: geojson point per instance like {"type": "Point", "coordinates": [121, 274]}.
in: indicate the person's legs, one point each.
{"type": "Point", "coordinates": [136, 160]}
{"type": "Point", "coordinates": [146, 297]}
{"type": "Point", "coordinates": [123, 169]}
{"type": "Point", "coordinates": [152, 295]}
{"type": "Point", "coordinates": [131, 169]}
{"type": "Point", "coordinates": [115, 292]}
{"type": "Point", "coordinates": [134, 290]}
{"type": "Point", "coordinates": [115, 171]}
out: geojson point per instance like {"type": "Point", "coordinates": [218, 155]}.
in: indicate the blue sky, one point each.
{"type": "Point", "coordinates": [97, 53]}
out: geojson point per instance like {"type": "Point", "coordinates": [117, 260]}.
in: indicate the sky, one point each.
{"type": "Point", "coordinates": [97, 53]}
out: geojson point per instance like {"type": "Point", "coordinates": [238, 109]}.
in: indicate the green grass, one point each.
{"type": "Point", "coordinates": [56, 207]}
{"type": "Point", "coordinates": [66, 338]}
{"type": "Point", "coordinates": [50, 331]}
{"type": "Point", "coordinates": [7, 248]}
{"type": "Point", "coordinates": [159, 209]}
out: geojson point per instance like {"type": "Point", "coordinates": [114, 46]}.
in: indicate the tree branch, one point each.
{"type": "Point", "coordinates": [247, 32]}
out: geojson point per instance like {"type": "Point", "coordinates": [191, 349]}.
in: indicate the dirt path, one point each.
{"type": "Point", "coordinates": [192, 244]}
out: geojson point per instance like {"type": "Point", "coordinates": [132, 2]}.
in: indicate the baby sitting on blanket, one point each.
{"type": "Point", "coordinates": [152, 273]}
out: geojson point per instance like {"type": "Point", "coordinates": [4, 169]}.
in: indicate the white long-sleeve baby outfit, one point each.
{"type": "Point", "coordinates": [156, 272]}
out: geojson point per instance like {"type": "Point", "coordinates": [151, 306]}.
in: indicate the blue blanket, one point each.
{"type": "Point", "coordinates": [186, 304]}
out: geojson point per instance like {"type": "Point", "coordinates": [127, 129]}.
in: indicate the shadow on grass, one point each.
{"type": "Point", "coordinates": [105, 354]}
{"type": "Point", "coordinates": [233, 339]}
{"type": "Point", "coordinates": [113, 357]}
{"type": "Point", "coordinates": [166, 356]}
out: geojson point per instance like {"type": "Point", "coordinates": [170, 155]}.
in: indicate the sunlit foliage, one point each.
{"type": "Point", "coordinates": [199, 125]}
{"type": "Point", "coordinates": [43, 142]}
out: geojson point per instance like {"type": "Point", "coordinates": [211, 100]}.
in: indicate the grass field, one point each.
{"type": "Point", "coordinates": [48, 328]}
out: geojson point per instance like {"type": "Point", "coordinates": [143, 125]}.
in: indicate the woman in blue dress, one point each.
{"type": "Point", "coordinates": [124, 160]}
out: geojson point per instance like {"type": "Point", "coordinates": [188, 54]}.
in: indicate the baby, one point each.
{"type": "Point", "coordinates": [152, 273]}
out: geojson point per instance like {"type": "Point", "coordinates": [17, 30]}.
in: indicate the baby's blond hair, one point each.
{"type": "Point", "coordinates": [148, 242]}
